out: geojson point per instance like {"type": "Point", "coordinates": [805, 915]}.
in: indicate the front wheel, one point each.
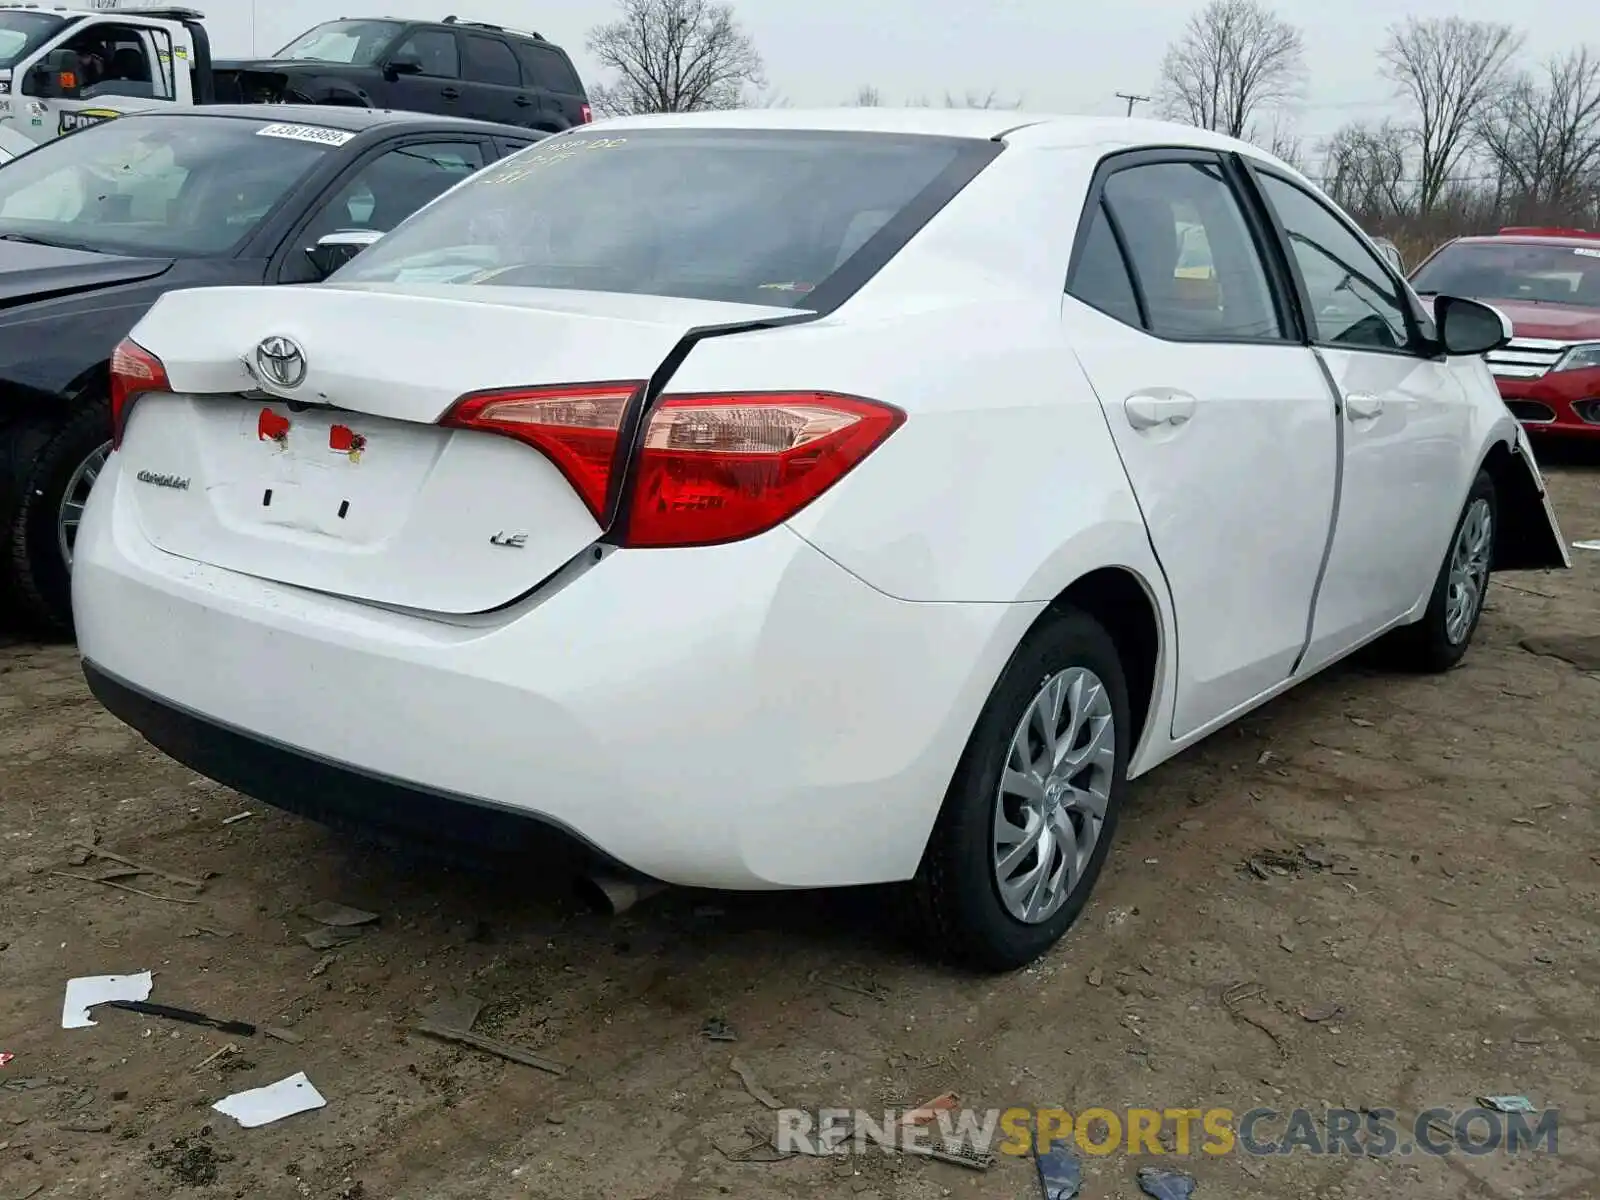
{"type": "Point", "coordinates": [50, 505]}
{"type": "Point", "coordinates": [1029, 818]}
{"type": "Point", "coordinates": [1438, 641]}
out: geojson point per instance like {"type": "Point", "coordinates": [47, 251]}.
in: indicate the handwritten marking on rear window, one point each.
{"type": "Point", "coordinates": [558, 150]}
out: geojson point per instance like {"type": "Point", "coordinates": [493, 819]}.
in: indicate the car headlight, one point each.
{"type": "Point", "coordinates": [1579, 358]}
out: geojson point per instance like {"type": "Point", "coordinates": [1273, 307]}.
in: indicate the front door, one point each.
{"type": "Point", "coordinates": [1404, 423]}
{"type": "Point", "coordinates": [1225, 424]}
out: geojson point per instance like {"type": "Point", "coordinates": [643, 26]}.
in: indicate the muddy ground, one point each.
{"type": "Point", "coordinates": [1437, 880]}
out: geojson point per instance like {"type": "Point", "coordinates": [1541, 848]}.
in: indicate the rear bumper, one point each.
{"type": "Point", "coordinates": [742, 716]}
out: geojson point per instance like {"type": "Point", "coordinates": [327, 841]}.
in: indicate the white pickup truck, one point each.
{"type": "Point", "coordinates": [64, 68]}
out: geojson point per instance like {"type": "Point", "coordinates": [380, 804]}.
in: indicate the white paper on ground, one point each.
{"type": "Point", "coordinates": [83, 994]}
{"type": "Point", "coordinates": [264, 1105]}
{"type": "Point", "coordinates": [1594, 545]}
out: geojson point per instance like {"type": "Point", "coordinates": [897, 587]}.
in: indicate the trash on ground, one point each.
{"type": "Point", "coordinates": [264, 1105]}
{"type": "Point", "coordinates": [1060, 1173]}
{"type": "Point", "coordinates": [123, 887]}
{"type": "Point", "coordinates": [748, 1078]}
{"type": "Point", "coordinates": [197, 885]}
{"type": "Point", "coordinates": [187, 1016]}
{"type": "Point", "coordinates": [1508, 1104]}
{"type": "Point", "coordinates": [237, 817]}
{"type": "Point", "coordinates": [505, 1050]}
{"type": "Point", "coordinates": [1317, 1013]}
{"type": "Point", "coordinates": [1164, 1184]}
{"type": "Point", "coordinates": [874, 992]}
{"type": "Point", "coordinates": [930, 1111]}
{"type": "Point", "coordinates": [453, 1010]}
{"type": "Point", "coordinates": [718, 1030]}
{"type": "Point", "coordinates": [89, 990]}
{"type": "Point", "coordinates": [288, 1036]}
{"type": "Point", "coordinates": [6, 1059]}
{"type": "Point", "coordinates": [963, 1155]}
{"type": "Point", "coordinates": [87, 1125]}
{"type": "Point", "coordinates": [320, 967]}
{"type": "Point", "coordinates": [223, 1052]}
{"type": "Point", "coordinates": [326, 912]}
{"type": "Point", "coordinates": [1593, 544]}
{"type": "Point", "coordinates": [752, 1146]}
{"type": "Point", "coordinates": [326, 937]}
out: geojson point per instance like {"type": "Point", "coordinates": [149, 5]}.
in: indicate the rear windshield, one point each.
{"type": "Point", "coordinates": [1552, 274]}
{"type": "Point", "coordinates": [754, 216]}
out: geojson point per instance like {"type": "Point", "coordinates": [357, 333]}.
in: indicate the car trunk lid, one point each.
{"type": "Point", "coordinates": [345, 483]}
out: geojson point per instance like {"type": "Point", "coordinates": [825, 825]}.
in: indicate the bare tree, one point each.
{"type": "Point", "coordinates": [1543, 136]}
{"type": "Point", "coordinates": [1451, 70]}
{"type": "Point", "coordinates": [867, 96]}
{"type": "Point", "coordinates": [989, 99]}
{"type": "Point", "coordinates": [1364, 171]}
{"type": "Point", "coordinates": [1280, 140]}
{"type": "Point", "coordinates": [1235, 57]}
{"type": "Point", "coordinates": [674, 56]}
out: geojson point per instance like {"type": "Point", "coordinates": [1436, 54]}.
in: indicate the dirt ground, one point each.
{"type": "Point", "coordinates": [1439, 881]}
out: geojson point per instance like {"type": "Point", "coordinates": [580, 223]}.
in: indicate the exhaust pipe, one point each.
{"type": "Point", "coordinates": [613, 895]}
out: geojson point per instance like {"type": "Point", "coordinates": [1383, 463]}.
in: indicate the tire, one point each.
{"type": "Point", "coordinates": [955, 900]}
{"type": "Point", "coordinates": [1437, 642]}
{"type": "Point", "coordinates": [41, 579]}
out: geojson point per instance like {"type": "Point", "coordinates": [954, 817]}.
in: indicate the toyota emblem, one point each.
{"type": "Point", "coordinates": [281, 362]}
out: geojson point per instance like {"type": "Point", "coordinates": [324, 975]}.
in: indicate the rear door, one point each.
{"type": "Point", "coordinates": [1405, 425]}
{"type": "Point", "coordinates": [548, 78]}
{"type": "Point", "coordinates": [492, 81]}
{"type": "Point", "coordinates": [1223, 419]}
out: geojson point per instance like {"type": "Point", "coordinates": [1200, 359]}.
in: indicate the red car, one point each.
{"type": "Point", "coordinates": [1547, 281]}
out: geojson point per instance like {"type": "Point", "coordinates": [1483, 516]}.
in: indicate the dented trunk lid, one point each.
{"type": "Point", "coordinates": [345, 483]}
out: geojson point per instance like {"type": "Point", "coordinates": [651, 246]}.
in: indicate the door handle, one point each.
{"type": "Point", "coordinates": [522, 102]}
{"type": "Point", "coordinates": [1146, 411]}
{"type": "Point", "coordinates": [1359, 406]}
{"type": "Point", "coordinates": [450, 93]}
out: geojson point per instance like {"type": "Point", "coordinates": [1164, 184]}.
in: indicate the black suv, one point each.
{"type": "Point", "coordinates": [452, 67]}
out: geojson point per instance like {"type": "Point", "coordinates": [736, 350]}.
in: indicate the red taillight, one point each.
{"type": "Point", "coordinates": [720, 468]}
{"type": "Point", "coordinates": [585, 114]}
{"type": "Point", "coordinates": [134, 371]}
{"type": "Point", "coordinates": [574, 427]}
{"type": "Point", "coordinates": [713, 468]}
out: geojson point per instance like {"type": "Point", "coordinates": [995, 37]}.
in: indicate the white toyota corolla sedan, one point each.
{"type": "Point", "coordinates": [776, 499]}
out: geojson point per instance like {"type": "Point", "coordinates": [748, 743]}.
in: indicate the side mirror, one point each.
{"type": "Point", "coordinates": [1470, 326]}
{"type": "Point", "coordinates": [335, 249]}
{"type": "Point", "coordinates": [58, 76]}
{"type": "Point", "coordinates": [1391, 255]}
{"type": "Point", "coordinates": [403, 64]}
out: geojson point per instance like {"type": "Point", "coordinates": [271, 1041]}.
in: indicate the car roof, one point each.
{"type": "Point", "coordinates": [339, 116]}
{"type": "Point", "coordinates": [1023, 128]}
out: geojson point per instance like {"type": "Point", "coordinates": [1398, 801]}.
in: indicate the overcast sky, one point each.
{"type": "Point", "coordinates": [1055, 56]}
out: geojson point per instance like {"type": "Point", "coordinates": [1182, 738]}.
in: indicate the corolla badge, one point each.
{"type": "Point", "coordinates": [281, 361]}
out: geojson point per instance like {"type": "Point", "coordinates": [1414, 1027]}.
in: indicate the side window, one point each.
{"type": "Point", "coordinates": [489, 60]}
{"type": "Point", "coordinates": [436, 50]}
{"type": "Point", "coordinates": [116, 60]}
{"type": "Point", "coordinates": [1100, 276]}
{"type": "Point", "coordinates": [1354, 300]}
{"type": "Point", "coordinates": [1193, 258]}
{"type": "Point", "coordinates": [547, 68]}
{"type": "Point", "coordinates": [388, 189]}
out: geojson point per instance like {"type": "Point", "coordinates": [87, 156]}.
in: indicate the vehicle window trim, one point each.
{"type": "Point", "coordinates": [289, 244]}
{"type": "Point", "coordinates": [1421, 346]}
{"type": "Point", "coordinates": [1120, 242]}
{"type": "Point", "coordinates": [1141, 156]}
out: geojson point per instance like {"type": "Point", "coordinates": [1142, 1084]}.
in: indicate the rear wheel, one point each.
{"type": "Point", "coordinates": [50, 502]}
{"type": "Point", "coordinates": [1029, 818]}
{"type": "Point", "coordinates": [1440, 639]}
